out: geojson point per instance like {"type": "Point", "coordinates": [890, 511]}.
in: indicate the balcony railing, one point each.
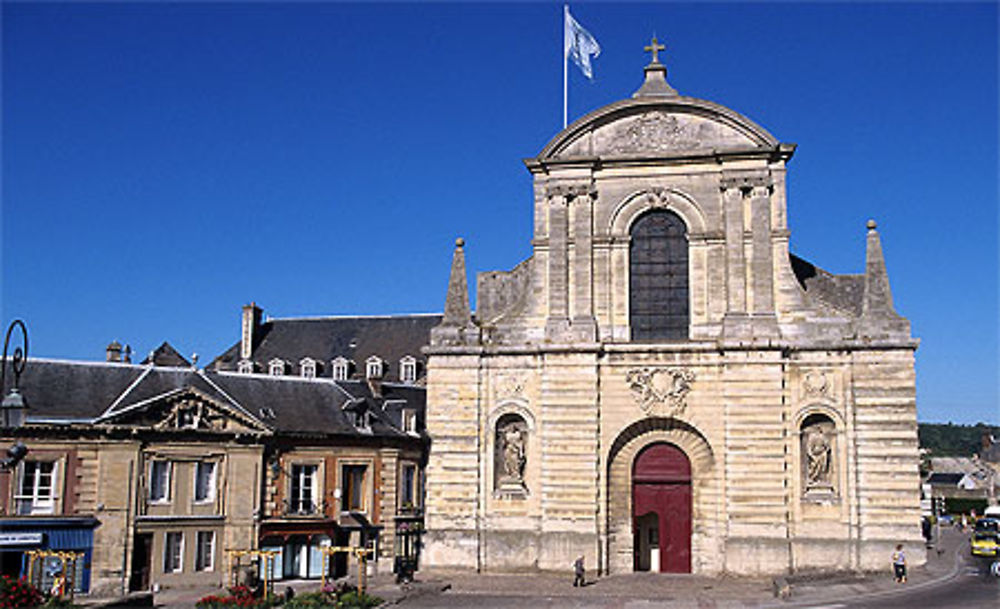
{"type": "Point", "coordinates": [303, 507]}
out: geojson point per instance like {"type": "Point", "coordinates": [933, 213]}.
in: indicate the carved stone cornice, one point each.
{"type": "Point", "coordinates": [745, 181]}
{"type": "Point", "coordinates": [569, 191]}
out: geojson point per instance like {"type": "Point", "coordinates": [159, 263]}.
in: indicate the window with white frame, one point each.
{"type": "Point", "coordinates": [276, 367]}
{"type": "Point", "coordinates": [408, 486]}
{"type": "Point", "coordinates": [204, 481]}
{"type": "Point", "coordinates": [245, 367]}
{"type": "Point", "coordinates": [204, 553]}
{"type": "Point", "coordinates": [36, 492]}
{"type": "Point", "coordinates": [173, 552]}
{"type": "Point", "coordinates": [408, 369]}
{"type": "Point", "coordinates": [159, 481]}
{"type": "Point", "coordinates": [307, 368]}
{"type": "Point", "coordinates": [303, 491]}
{"type": "Point", "coordinates": [409, 420]}
{"type": "Point", "coordinates": [341, 369]}
{"type": "Point", "coordinates": [352, 497]}
{"type": "Point", "coordinates": [373, 367]}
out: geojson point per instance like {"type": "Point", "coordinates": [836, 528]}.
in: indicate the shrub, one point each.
{"type": "Point", "coordinates": [17, 593]}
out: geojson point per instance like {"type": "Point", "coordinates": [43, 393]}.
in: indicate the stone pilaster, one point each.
{"type": "Point", "coordinates": [584, 326]}
{"type": "Point", "coordinates": [557, 323]}
{"type": "Point", "coordinates": [735, 322]}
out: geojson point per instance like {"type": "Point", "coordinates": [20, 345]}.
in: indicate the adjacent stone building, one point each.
{"type": "Point", "coordinates": [307, 433]}
{"type": "Point", "coordinates": [662, 385]}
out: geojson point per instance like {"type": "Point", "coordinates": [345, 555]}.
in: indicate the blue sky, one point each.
{"type": "Point", "coordinates": [164, 164]}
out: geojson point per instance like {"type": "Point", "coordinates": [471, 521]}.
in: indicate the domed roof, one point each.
{"type": "Point", "coordinates": [658, 122]}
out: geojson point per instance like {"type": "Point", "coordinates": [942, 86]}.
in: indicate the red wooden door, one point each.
{"type": "Point", "coordinates": [661, 484]}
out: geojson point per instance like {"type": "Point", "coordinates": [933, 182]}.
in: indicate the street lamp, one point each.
{"type": "Point", "coordinates": [13, 408]}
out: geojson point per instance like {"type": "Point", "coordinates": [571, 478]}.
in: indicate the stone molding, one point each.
{"type": "Point", "coordinates": [634, 205]}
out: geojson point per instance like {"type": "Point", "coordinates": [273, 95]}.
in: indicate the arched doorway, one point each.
{"type": "Point", "coordinates": [661, 509]}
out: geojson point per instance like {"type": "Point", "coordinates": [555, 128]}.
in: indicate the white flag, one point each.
{"type": "Point", "coordinates": [580, 45]}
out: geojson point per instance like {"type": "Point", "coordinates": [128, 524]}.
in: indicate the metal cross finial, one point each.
{"type": "Point", "coordinates": [654, 48]}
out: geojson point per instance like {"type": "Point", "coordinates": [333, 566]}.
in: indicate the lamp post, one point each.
{"type": "Point", "coordinates": [13, 408]}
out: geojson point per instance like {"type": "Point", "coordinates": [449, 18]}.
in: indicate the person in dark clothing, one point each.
{"type": "Point", "coordinates": [579, 571]}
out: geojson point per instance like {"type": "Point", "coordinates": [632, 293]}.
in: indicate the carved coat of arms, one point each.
{"type": "Point", "coordinates": [660, 390]}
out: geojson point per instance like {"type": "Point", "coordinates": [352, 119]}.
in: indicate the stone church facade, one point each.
{"type": "Point", "coordinates": [662, 385]}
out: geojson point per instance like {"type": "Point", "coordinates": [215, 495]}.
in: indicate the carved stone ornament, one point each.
{"type": "Point", "coordinates": [660, 390]}
{"type": "Point", "coordinates": [815, 383]}
{"type": "Point", "coordinates": [192, 415]}
{"type": "Point", "coordinates": [509, 386]}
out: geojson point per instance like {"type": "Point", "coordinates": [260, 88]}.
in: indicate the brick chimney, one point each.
{"type": "Point", "coordinates": [250, 329]}
{"type": "Point", "coordinates": [114, 351]}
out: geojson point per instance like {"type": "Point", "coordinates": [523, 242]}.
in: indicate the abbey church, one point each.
{"type": "Point", "coordinates": [662, 385]}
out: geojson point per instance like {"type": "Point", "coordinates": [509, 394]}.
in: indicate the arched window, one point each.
{"type": "Point", "coordinates": [658, 277]}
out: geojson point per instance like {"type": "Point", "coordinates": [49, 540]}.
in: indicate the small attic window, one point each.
{"type": "Point", "coordinates": [245, 366]}
{"type": "Point", "coordinates": [374, 367]}
{"type": "Point", "coordinates": [307, 368]}
{"type": "Point", "coordinates": [408, 369]}
{"type": "Point", "coordinates": [276, 367]}
{"type": "Point", "coordinates": [409, 417]}
{"type": "Point", "coordinates": [341, 369]}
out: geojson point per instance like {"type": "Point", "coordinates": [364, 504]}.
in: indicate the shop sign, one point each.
{"type": "Point", "coordinates": [20, 539]}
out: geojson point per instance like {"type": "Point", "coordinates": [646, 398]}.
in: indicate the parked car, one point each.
{"type": "Point", "coordinates": [986, 537]}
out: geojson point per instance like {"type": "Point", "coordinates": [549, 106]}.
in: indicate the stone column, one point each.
{"type": "Point", "coordinates": [558, 318]}
{"type": "Point", "coordinates": [584, 325]}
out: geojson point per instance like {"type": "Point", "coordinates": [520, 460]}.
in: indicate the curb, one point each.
{"type": "Point", "coordinates": [883, 593]}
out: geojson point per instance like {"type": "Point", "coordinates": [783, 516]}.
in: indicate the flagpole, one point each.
{"type": "Point", "coordinates": [564, 62]}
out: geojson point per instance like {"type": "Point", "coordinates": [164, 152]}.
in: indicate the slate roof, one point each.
{"type": "Point", "coordinates": [64, 392]}
{"type": "Point", "coordinates": [844, 293]}
{"type": "Point", "coordinates": [72, 390]}
{"type": "Point", "coordinates": [326, 338]}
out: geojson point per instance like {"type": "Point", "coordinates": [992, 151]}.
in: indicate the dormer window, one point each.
{"type": "Point", "coordinates": [374, 367]}
{"type": "Point", "coordinates": [362, 419]}
{"type": "Point", "coordinates": [341, 369]}
{"type": "Point", "coordinates": [276, 367]}
{"type": "Point", "coordinates": [408, 369]}
{"type": "Point", "coordinates": [409, 417]}
{"type": "Point", "coordinates": [245, 366]}
{"type": "Point", "coordinates": [307, 367]}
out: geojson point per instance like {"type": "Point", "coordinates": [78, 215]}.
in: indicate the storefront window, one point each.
{"type": "Point", "coordinates": [36, 492]}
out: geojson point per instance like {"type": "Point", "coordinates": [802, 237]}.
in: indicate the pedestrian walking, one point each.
{"type": "Point", "coordinates": [899, 564]}
{"type": "Point", "coordinates": [579, 571]}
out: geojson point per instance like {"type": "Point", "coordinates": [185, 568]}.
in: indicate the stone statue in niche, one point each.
{"type": "Point", "coordinates": [511, 453]}
{"type": "Point", "coordinates": [817, 450]}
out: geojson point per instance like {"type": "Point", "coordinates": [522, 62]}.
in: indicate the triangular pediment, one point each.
{"type": "Point", "coordinates": [186, 409]}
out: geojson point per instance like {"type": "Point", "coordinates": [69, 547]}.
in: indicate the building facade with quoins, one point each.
{"type": "Point", "coordinates": [662, 386]}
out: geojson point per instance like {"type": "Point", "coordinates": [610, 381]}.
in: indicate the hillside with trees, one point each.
{"type": "Point", "coordinates": [950, 440]}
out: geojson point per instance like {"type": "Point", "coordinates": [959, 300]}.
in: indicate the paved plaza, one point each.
{"type": "Point", "coordinates": [950, 565]}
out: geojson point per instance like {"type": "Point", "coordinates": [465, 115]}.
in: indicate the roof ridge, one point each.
{"type": "Point", "coordinates": [77, 362]}
{"type": "Point", "coordinates": [273, 377]}
{"type": "Point", "coordinates": [374, 316]}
